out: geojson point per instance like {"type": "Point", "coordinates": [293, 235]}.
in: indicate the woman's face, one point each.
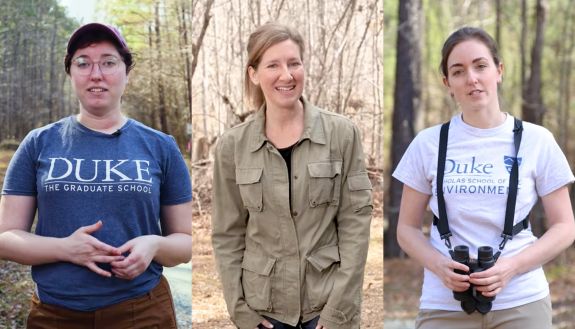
{"type": "Point", "coordinates": [280, 74]}
{"type": "Point", "coordinates": [100, 88]}
{"type": "Point", "coordinates": [472, 76]}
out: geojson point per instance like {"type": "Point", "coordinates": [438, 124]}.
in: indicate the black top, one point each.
{"type": "Point", "coordinates": [286, 154]}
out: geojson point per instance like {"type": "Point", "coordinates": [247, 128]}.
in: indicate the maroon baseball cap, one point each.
{"type": "Point", "coordinates": [96, 28]}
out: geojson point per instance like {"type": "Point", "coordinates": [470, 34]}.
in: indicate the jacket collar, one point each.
{"type": "Point", "coordinates": [313, 128]}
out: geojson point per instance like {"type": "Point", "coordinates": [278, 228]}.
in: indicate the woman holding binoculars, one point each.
{"type": "Point", "coordinates": [507, 288]}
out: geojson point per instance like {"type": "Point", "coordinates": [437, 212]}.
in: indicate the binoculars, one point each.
{"type": "Point", "coordinates": [471, 299]}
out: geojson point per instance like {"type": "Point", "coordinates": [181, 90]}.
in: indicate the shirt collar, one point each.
{"type": "Point", "coordinates": [313, 128]}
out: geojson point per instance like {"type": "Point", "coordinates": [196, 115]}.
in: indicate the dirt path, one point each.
{"type": "Point", "coordinates": [209, 310]}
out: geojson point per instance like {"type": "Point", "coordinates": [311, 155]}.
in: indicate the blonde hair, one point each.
{"type": "Point", "coordinates": [261, 40]}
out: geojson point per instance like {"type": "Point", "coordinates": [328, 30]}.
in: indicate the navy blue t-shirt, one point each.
{"type": "Point", "coordinates": [80, 176]}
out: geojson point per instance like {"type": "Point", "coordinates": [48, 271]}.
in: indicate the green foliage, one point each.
{"type": "Point", "coordinates": [33, 38]}
{"type": "Point", "coordinates": [133, 17]}
{"type": "Point", "coordinates": [34, 89]}
{"type": "Point", "coordinates": [440, 18]}
{"type": "Point", "coordinates": [157, 92]}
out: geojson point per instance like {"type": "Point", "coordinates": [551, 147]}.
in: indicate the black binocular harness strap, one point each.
{"type": "Point", "coordinates": [509, 230]}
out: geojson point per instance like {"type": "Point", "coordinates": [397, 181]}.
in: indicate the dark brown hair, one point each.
{"type": "Point", "coordinates": [87, 39]}
{"type": "Point", "coordinates": [464, 34]}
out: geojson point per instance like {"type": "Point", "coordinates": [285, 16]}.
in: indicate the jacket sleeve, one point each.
{"type": "Point", "coordinates": [343, 308]}
{"type": "Point", "coordinates": [229, 220]}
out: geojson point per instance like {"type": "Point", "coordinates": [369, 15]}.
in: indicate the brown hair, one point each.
{"type": "Point", "coordinates": [464, 34]}
{"type": "Point", "coordinates": [87, 39]}
{"type": "Point", "coordinates": [259, 41]}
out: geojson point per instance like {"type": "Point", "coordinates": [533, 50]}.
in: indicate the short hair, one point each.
{"type": "Point", "coordinates": [259, 41]}
{"type": "Point", "coordinates": [464, 34]}
{"type": "Point", "coordinates": [93, 33]}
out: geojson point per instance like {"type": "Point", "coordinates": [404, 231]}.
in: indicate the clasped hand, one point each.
{"type": "Point", "coordinates": [85, 250]}
{"type": "Point", "coordinates": [489, 282]}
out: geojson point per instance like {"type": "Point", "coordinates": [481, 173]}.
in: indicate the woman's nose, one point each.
{"type": "Point", "coordinates": [471, 77]}
{"type": "Point", "coordinates": [286, 74]}
{"type": "Point", "coordinates": [96, 72]}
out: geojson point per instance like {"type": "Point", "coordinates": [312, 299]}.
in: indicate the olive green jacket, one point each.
{"type": "Point", "coordinates": [292, 264]}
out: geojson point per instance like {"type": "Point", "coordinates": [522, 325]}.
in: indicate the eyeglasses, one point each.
{"type": "Point", "coordinates": [108, 65]}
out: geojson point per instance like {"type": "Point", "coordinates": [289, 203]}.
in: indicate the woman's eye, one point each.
{"type": "Point", "coordinates": [109, 63]}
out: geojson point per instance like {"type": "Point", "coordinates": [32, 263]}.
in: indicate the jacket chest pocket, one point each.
{"type": "Point", "coordinates": [324, 183]}
{"type": "Point", "coordinates": [249, 181]}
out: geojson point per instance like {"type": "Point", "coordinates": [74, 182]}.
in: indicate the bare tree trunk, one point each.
{"type": "Point", "coordinates": [357, 55]}
{"type": "Point", "coordinates": [198, 44]}
{"type": "Point", "coordinates": [407, 96]}
{"type": "Point", "coordinates": [188, 78]}
{"type": "Point", "coordinates": [563, 95]}
{"type": "Point", "coordinates": [159, 82]}
{"type": "Point", "coordinates": [324, 67]}
{"type": "Point", "coordinates": [498, 21]}
{"type": "Point", "coordinates": [339, 107]}
{"type": "Point", "coordinates": [533, 108]}
{"type": "Point", "coordinates": [52, 98]}
{"type": "Point", "coordinates": [204, 92]}
{"type": "Point", "coordinates": [378, 90]}
{"type": "Point", "coordinates": [523, 45]}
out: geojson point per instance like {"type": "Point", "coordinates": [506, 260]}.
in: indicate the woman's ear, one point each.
{"type": "Point", "coordinates": [446, 84]}
{"type": "Point", "coordinates": [253, 75]}
{"type": "Point", "coordinates": [500, 73]}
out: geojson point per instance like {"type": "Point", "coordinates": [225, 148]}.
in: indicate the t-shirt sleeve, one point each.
{"type": "Point", "coordinates": [20, 176]}
{"type": "Point", "coordinates": [413, 166]}
{"type": "Point", "coordinates": [552, 170]}
{"type": "Point", "coordinates": [176, 186]}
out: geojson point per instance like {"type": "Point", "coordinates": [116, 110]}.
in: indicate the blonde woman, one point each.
{"type": "Point", "coordinates": [292, 200]}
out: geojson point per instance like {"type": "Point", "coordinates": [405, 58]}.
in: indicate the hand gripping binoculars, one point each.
{"type": "Point", "coordinates": [471, 299]}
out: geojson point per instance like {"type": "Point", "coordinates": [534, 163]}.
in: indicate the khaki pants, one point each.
{"type": "Point", "coordinates": [153, 310]}
{"type": "Point", "coordinates": [536, 315]}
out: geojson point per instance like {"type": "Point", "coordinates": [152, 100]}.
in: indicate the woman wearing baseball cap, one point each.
{"type": "Point", "coordinates": [113, 199]}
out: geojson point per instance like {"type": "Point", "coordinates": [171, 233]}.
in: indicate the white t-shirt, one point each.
{"type": "Point", "coordinates": [475, 187]}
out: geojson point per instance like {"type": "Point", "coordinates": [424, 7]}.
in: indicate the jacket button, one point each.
{"type": "Point", "coordinates": [313, 203]}
{"type": "Point", "coordinates": [294, 213]}
{"type": "Point", "coordinates": [295, 177]}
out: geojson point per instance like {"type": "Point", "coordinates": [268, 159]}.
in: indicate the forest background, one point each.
{"type": "Point", "coordinates": [34, 86]}
{"type": "Point", "coordinates": [536, 41]}
{"type": "Point", "coordinates": [343, 61]}
{"type": "Point", "coordinates": [34, 91]}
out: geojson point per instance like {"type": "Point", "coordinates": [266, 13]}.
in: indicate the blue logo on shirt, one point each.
{"type": "Point", "coordinates": [509, 162]}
